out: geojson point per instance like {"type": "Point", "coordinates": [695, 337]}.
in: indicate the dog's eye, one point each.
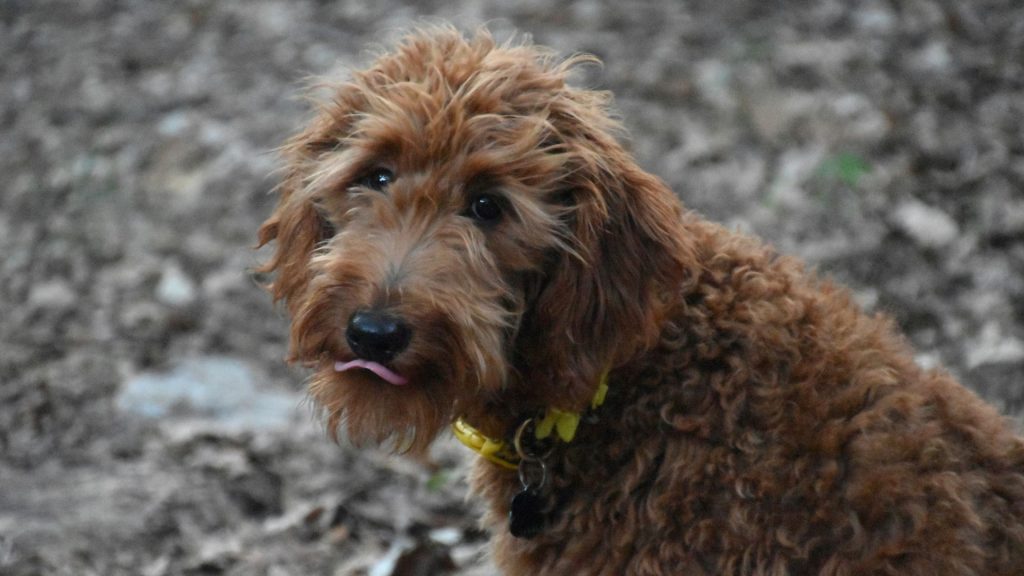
{"type": "Point", "coordinates": [485, 208]}
{"type": "Point", "coordinates": [377, 179]}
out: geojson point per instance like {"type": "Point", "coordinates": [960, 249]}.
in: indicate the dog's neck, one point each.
{"type": "Point", "coordinates": [507, 450]}
{"type": "Point", "coordinates": [489, 428]}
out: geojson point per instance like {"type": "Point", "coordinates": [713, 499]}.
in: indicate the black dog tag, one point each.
{"type": "Point", "coordinates": [526, 514]}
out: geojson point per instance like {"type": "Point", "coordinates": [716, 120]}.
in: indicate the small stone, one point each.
{"type": "Point", "coordinates": [447, 536]}
{"type": "Point", "coordinates": [933, 57]}
{"type": "Point", "coordinates": [173, 124]}
{"type": "Point", "coordinates": [217, 555]}
{"type": "Point", "coordinates": [927, 226]}
{"type": "Point", "coordinates": [220, 390]}
{"type": "Point", "coordinates": [145, 320]}
{"type": "Point", "coordinates": [992, 346]}
{"type": "Point", "coordinates": [52, 295]}
{"type": "Point", "coordinates": [175, 288]}
{"type": "Point", "coordinates": [875, 17]}
{"type": "Point", "coordinates": [714, 78]}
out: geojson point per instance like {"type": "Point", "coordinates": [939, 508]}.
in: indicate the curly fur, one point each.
{"type": "Point", "coordinates": [757, 422]}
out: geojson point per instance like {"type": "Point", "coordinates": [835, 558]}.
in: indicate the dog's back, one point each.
{"type": "Point", "coordinates": [776, 429]}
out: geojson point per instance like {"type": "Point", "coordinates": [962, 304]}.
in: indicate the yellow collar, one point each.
{"type": "Point", "coordinates": [561, 422]}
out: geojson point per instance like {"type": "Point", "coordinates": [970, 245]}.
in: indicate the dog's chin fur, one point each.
{"type": "Point", "coordinates": [403, 418]}
{"type": "Point", "coordinates": [757, 422]}
{"type": "Point", "coordinates": [447, 366]}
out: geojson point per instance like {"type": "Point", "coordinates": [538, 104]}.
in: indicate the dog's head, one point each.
{"type": "Point", "coordinates": [459, 234]}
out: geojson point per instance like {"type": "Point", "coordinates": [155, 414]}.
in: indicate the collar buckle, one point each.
{"type": "Point", "coordinates": [563, 423]}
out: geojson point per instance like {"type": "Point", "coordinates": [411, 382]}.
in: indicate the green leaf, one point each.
{"type": "Point", "coordinates": [438, 480]}
{"type": "Point", "coordinates": [845, 167]}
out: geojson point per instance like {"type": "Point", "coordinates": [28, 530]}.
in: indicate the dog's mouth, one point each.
{"type": "Point", "coordinates": [381, 371]}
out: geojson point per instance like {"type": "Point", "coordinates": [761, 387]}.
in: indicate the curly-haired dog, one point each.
{"type": "Point", "coordinates": [460, 237]}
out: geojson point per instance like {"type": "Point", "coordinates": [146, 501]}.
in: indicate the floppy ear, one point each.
{"type": "Point", "coordinates": [595, 306]}
{"type": "Point", "coordinates": [295, 224]}
{"type": "Point", "coordinates": [296, 229]}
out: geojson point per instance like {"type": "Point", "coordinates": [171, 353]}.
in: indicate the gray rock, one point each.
{"type": "Point", "coordinates": [218, 391]}
{"type": "Point", "coordinates": [175, 288]}
{"type": "Point", "coordinates": [54, 296]}
{"type": "Point", "coordinates": [993, 346]}
{"type": "Point", "coordinates": [927, 226]}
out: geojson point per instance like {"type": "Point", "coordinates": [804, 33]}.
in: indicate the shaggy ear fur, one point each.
{"type": "Point", "coordinates": [297, 230]}
{"type": "Point", "coordinates": [599, 304]}
{"type": "Point", "coordinates": [295, 223]}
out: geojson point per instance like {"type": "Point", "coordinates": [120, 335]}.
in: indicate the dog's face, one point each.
{"type": "Point", "coordinates": [459, 235]}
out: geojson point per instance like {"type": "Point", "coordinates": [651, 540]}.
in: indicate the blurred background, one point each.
{"type": "Point", "coordinates": [148, 424]}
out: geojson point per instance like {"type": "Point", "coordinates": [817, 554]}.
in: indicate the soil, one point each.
{"type": "Point", "coordinates": [149, 424]}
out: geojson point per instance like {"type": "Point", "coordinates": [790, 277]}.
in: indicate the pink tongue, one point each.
{"type": "Point", "coordinates": [377, 369]}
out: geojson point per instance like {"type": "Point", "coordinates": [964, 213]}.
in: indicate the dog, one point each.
{"type": "Point", "coordinates": [460, 239]}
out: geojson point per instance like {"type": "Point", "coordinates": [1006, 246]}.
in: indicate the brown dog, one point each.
{"type": "Point", "coordinates": [460, 237]}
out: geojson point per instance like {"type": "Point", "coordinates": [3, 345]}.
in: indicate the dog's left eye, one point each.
{"type": "Point", "coordinates": [377, 179]}
{"type": "Point", "coordinates": [485, 208]}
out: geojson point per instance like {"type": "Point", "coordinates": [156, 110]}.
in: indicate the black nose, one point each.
{"type": "Point", "coordinates": [377, 336]}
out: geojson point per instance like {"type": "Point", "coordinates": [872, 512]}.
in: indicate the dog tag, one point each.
{"type": "Point", "coordinates": [526, 514]}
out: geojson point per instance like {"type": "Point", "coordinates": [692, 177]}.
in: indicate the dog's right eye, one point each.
{"type": "Point", "coordinates": [485, 208]}
{"type": "Point", "coordinates": [377, 179]}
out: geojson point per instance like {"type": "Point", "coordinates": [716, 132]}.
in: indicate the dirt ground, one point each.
{"type": "Point", "coordinates": [148, 424]}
